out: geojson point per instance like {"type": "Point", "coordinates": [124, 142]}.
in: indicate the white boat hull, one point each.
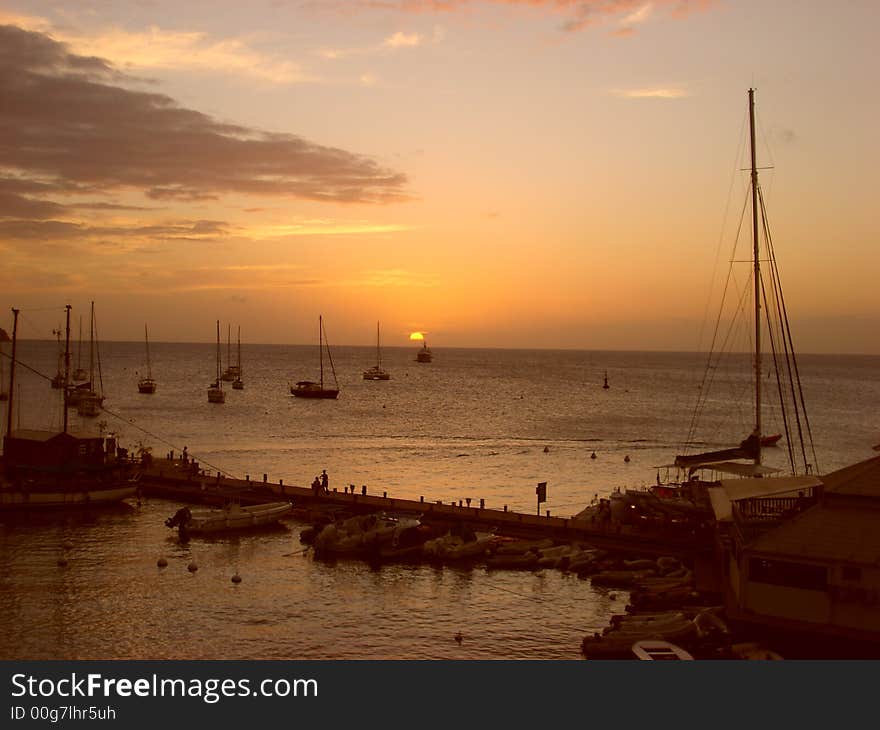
{"type": "Point", "coordinates": [11, 497]}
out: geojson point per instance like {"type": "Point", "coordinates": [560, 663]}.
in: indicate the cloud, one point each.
{"type": "Point", "coordinates": [670, 92]}
{"type": "Point", "coordinates": [67, 127]}
{"type": "Point", "coordinates": [576, 14]}
{"type": "Point", "coordinates": [403, 40]}
{"type": "Point", "coordinates": [157, 49]}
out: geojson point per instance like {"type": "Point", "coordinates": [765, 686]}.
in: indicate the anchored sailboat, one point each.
{"type": "Point", "coordinates": [377, 372]}
{"type": "Point", "coordinates": [238, 383]}
{"type": "Point", "coordinates": [309, 388]}
{"type": "Point", "coordinates": [796, 426]}
{"type": "Point", "coordinates": [90, 401]}
{"type": "Point", "coordinates": [215, 390]}
{"type": "Point", "coordinates": [147, 384]}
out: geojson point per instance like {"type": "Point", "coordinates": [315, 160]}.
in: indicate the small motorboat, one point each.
{"type": "Point", "coordinates": [230, 518]}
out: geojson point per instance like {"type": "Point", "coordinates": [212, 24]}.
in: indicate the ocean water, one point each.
{"type": "Point", "coordinates": [473, 424]}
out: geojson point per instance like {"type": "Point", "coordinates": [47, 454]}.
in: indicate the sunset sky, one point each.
{"type": "Point", "coordinates": [491, 173]}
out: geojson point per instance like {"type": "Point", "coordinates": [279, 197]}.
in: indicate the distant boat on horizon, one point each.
{"type": "Point", "coordinates": [425, 354]}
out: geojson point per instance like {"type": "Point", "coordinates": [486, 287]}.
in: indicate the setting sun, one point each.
{"type": "Point", "coordinates": [416, 336]}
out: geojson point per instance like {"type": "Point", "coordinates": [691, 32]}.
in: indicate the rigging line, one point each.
{"type": "Point", "coordinates": [779, 386]}
{"type": "Point", "coordinates": [793, 355]}
{"type": "Point", "coordinates": [703, 392]}
{"type": "Point", "coordinates": [329, 356]}
{"type": "Point", "coordinates": [161, 440]}
{"type": "Point", "coordinates": [733, 178]}
{"type": "Point", "coordinates": [774, 271]}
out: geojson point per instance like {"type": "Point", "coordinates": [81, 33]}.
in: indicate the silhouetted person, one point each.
{"type": "Point", "coordinates": [325, 480]}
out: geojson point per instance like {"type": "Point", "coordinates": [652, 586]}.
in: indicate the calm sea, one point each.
{"type": "Point", "coordinates": [473, 424]}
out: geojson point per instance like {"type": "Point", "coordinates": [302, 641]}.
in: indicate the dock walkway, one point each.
{"type": "Point", "coordinates": [175, 480]}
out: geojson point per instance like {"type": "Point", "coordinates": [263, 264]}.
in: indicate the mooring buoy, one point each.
{"type": "Point", "coordinates": [236, 578]}
{"type": "Point", "coordinates": [192, 567]}
{"type": "Point", "coordinates": [161, 562]}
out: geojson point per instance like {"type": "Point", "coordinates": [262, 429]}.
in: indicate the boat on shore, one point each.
{"type": "Point", "coordinates": [311, 389]}
{"type": "Point", "coordinates": [233, 517]}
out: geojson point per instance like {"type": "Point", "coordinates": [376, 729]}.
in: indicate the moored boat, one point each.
{"type": "Point", "coordinates": [230, 518]}
{"type": "Point", "coordinates": [311, 389]}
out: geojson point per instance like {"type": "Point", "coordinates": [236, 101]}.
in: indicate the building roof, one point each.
{"type": "Point", "coordinates": [827, 533]}
{"type": "Point", "coordinates": [28, 434]}
{"type": "Point", "coordinates": [858, 480]}
{"type": "Point", "coordinates": [732, 490]}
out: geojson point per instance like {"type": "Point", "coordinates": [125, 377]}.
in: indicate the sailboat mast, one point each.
{"type": "Point", "coordinates": [239, 351]}
{"type": "Point", "coordinates": [218, 353]}
{"type": "Point", "coordinates": [378, 350]}
{"type": "Point", "coordinates": [66, 363]}
{"type": "Point", "coordinates": [147, 343]}
{"type": "Point", "coordinates": [757, 276]}
{"type": "Point", "coordinates": [321, 347]}
{"type": "Point", "coordinates": [92, 349]}
{"type": "Point", "coordinates": [12, 374]}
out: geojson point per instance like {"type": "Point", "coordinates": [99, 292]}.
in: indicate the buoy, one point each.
{"type": "Point", "coordinates": [62, 562]}
{"type": "Point", "coordinates": [192, 567]}
{"type": "Point", "coordinates": [67, 545]}
{"type": "Point", "coordinates": [161, 562]}
{"type": "Point", "coordinates": [459, 637]}
{"type": "Point", "coordinates": [546, 449]}
{"type": "Point", "coordinates": [626, 458]}
{"type": "Point", "coordinates": [593, 455]}
{"type": "Point", "coordinates": [236, 578]}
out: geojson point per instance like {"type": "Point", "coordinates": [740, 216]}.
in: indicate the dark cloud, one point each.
{"type": "Point", "coordinates": [62, 230]}
{"type": "Point", "coordinates": [67, 124]}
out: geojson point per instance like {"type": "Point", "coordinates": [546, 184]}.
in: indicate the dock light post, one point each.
{"type": "Point", "coordinates": [541, 491]}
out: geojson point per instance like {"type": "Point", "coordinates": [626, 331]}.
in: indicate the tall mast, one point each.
{"type": "Point", "coordinates": [12, 373]}
{"type": "Point", "coordinates": [239, 351]}
{"type": "Point", "coordinates": [218, 353]}
{"type": "Point", "coordinates": [147, 342]}
{"type": "Point", "coordinates": [378, 351]}
{"type": "Point", "coordinates": [757, 275]}
{"type": "Point", "coordinates": [228, 345]}
{"type": "Point", "coordinates": [92, 350]}
{"type": "Point", "coordinates": [66, 363]}
{"type": "Point", "coordinates": [321, 347]}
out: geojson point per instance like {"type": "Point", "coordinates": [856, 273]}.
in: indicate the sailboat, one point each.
{"type": "Point", "coordinates": [232, 371]}
{"type": "Point", "coordinates": [58, 379]}
{"type": "Point", "coordinates": [79, 374]}
{"type": "Point", "coordinates": [425, 354]}
{"type": "Point", "coordinates": [309, 388]}
{"type": "Point", "coordinates": [238, 383]}
{"type": "Point", "coordinates": [4, 394]}
{"type": "Point", "coordinates": [795, 421]}
{"type": "Point", "coordinates": [377, 372]}
{"type": "Point", "coordinates": [44, 469]}
{"type": "Point", "coordinates": [215, 390]}
{"type": "Point", "coordinates": [90, 401]}
{"type": "Point", "coordinates": [605, 386]}
{"type": "Point", "coordinates": [147, 384]}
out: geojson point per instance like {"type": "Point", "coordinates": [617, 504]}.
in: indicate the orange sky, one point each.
{"type": "Point", "coordinates": [495, 174]}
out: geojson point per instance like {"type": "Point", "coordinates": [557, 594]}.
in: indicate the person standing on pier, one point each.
{"type": "Point", "coordinates": [325, 480]}
{"type": "Point", "coordinates": [316, 486]}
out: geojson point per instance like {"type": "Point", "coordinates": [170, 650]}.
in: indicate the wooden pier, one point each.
{"type": "Point", "coordinates": [184, 482]}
